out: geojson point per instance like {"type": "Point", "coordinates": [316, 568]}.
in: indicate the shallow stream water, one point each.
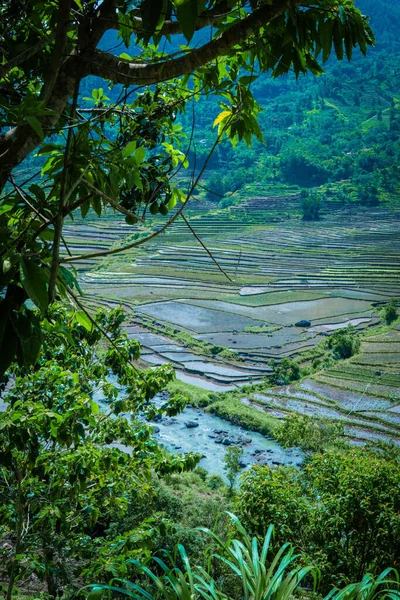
{"type": "Point", "coordinates": [175, 436]}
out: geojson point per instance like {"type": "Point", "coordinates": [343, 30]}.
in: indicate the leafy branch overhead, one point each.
{"type": "Point", "coordinates": [117, 144]}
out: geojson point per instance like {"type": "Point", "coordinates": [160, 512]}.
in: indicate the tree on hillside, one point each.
{"type": "Point", "coordinates": [390, 313]}
{"type": "Point", "coordinates": [120, 147]}
{"type": "Point", "coordinates": [310, 205]}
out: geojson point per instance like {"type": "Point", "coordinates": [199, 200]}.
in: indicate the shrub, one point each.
{"type": "Point", "coordinates": [344, 342]}
{"type": "Point", "coordinates": [342, 510]}
{"type": "Point", "coordinates": [390, 312]}
{"type": "Point", "coordinates": [232, 465]}
{"type": "Point", "coordinates": [215, 482]}
{"type": "Point", "coordinates": [310, 433]}
{"type": "Point", "coordinates": [286, 370]}
{"type": "Point", "coordinates": [247, 566]}
{"type": "Point", "coordinates": [311, 206]}
{"type": "Point", "coordinates": [272, 496]}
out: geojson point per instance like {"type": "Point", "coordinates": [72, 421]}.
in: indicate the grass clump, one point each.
{"type": "Point", "coordinates": [196, 395]}
{"type": "Point", "coordinates": [231, 409]}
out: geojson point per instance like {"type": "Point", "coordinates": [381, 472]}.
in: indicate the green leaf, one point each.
{"type": "Point", "coordinates": [36, 126]}
{"type": "Point", "coordinates": [138, 182]}
{"type": "Point", "coordinates": [246, 79]}
{"type": "Point", "coordinates": [186, 13]}
{"type": "Point", "coordinates": [6, 207]}
{"type": "Point", "coordinates": [172, 202]}
{"type": "Point", "coordinates": [151, 12]}
{"type": "Point", "coordinates": [27, 328]}
{"type": "Point", "coordinates": [85, 209]}
{"type": "Point", "coordinates": [82, 318]}
{"type": "Point", "coordinates": [10, 261]}
{"type": "Point", "coordinates": [38, 192]}
{"type": "Point", "coordinates": [96, 205]}
{"type": "Point", "coordinates": [49, 149]}
{"type": "Point", "coordinates": [47, 234]}
{"type": "Point", "coordinates": [34, 279]}
{"type": "Point", "coordinates": [140, 154]}
{"type": "Point", "coordinates": [223, 115]}
{"type": "Point", "coordinates": [96, 593]}
{"type": "Point", "coordinates": [129, 149]}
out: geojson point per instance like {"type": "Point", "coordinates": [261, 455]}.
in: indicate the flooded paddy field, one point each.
{"type": "Point", "coordinates": [329, 274]}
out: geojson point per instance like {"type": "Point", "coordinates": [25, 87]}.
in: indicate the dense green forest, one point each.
{"type": "Point", "coordinates": [117, 115]}
{"type": "Point", "coordinates": [338, 132]}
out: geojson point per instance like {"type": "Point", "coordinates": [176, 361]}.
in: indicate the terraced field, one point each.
{"type": "Point", "coordinates": [363, 392]}
{"type": "Point", "coordinates": [184, 310]}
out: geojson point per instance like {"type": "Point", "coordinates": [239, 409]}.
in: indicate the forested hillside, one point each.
{"type": "Point", "coordinates": [341, 128]}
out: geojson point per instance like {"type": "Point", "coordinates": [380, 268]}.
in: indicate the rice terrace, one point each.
{"type": "Point", "coordinates": [222, 334]}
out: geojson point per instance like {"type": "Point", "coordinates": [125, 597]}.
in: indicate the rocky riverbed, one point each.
{"type": "Point", "coordinates": [195, 430]}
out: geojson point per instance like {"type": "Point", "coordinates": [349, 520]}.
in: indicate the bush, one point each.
{"type": "Point", "coordinates": [342, 510]}
{"type": "Point", "coordinates": [310, 433]}
{"type": "Point", "coordinates": [286, 370]}
{"type": "Point", "coordinates": [215, 482]}
{"type": "Point", "coordinates": [310, 205]}
{"type": "Point", "coordinates": [232, 463]}
{"type": "Point", "coordinates": [344, 342]}
{"type": "Point", "coordinates": [390, 312]}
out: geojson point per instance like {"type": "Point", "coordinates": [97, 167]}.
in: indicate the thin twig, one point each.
{"type": "Point", "coordinates": [113, 203]}
{"type": "Point", "coordinates": [205, 248]}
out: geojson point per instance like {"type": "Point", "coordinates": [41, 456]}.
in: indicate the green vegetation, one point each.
{"type": "Point", "coordinates": [311, 206]}
{"type": "Point", "coordinates": [251, 569]}
{"type": "Point", "coordinates": [122, 173]}
{"type": "Point", "coordinates": [196, 395]}
{"type": "Point", "coordinates": [64, 473]}
{"type": "Point", "coordinates": [310, 434]}
{"type": "Point", "coordinates": [231, 409]}
{"type": "Point", "coordinates": [390, 313]}
{"type": "Point", "coordinates": [232, 466]}
{"type": "Point", "coordinates": [345, 342]}
{"type": "Point", "coordinates": [341, 511]}
{"type": "Point", "coordinates": [98, 148]}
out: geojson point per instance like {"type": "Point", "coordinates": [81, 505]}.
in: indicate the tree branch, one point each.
{"type": "Point", "coordinates": [113, 203]}
{"type": "Point", "coordinates": [127, 72]}
{"type": "Point", "coordinates": [170, 27]}
{"type": "Point", "coordinates": [167, 224]}
{"type": "Point", "coordinates": [59, 48]}
{"type": "Point", "coordinates": [23, 56]}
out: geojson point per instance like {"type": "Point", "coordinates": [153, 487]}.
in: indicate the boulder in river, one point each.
{"type": "Point", "coordinates": [303, 323]}
{"type": "Point", "coordinates": [191, 424]}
